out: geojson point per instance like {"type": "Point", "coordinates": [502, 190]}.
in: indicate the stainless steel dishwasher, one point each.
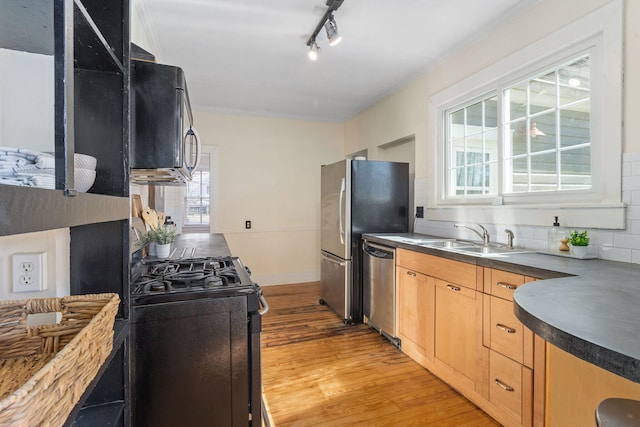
{"type": "Point", "coordinates": [379, 290]}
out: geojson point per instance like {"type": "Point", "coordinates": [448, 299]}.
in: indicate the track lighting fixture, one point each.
{"type": "Point", "coordinates": [313, 51]}
{"type": "Point", "coordinates": [329, 23]}
{"type": "Point", "coordinates": [332, 31]}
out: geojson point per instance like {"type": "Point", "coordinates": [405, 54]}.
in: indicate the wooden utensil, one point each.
{"type": "Point", "coordinates": [161, 218]}
{"type": "Point", "coordinates": [136, 206]}
{"type": "Point", "coordinates": [150, 217]}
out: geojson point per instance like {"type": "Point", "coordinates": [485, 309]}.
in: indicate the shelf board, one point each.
{"type": "Point", "coordinates": [103, 415]}
{"type": "Point", "coordinates": [90, 208]}
{"type": "Point", "coordinates": [27, 25]}
{"type": "Point", "coordinates": [29, 209]}
{"type": "Point", "coordinates": [91, 49]}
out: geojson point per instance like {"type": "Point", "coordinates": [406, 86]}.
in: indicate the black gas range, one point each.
{"type": "Point", "coordinates": [196, 326]}
{"type": "Point", "coordinates": [190, 278]}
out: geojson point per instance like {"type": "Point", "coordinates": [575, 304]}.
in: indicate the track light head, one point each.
{"type": "Point", "coordinates": [330, 25]}
{"type": "Point", "coordinates": [313, 51]}
{"type": "Point", "coordinates": [332, 31]}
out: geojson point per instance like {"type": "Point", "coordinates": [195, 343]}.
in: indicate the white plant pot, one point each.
{"type": "Point", "coordinates": [579, 251]}
{"type": "Point", "coordinates": [162, 251]}
{"type": "Point", "coordinates": [152, 248]}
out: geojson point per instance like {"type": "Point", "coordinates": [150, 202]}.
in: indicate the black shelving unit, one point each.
{"type": "Point", "coordinates": [91, 56]}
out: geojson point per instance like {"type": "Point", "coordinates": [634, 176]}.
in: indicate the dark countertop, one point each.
{"type": "Point", "coordinates": [589, 308]}
{"type": "Point", "coordinates": [205, 244]}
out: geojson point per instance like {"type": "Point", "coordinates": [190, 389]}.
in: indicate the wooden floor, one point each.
{"type": "Point", "coordinates": [319, 372]}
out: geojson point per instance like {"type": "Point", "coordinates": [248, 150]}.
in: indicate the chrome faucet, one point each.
{"type": "Point", "coordinates": [509, 238]}
{"type": "Point", "coordinates": [484, 236]}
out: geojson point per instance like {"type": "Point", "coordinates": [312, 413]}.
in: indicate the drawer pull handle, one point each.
{"type": "Point", "coordinates": [505, 328]}
{"type": "Point", "coordinates": [503, 385]}
{"type": "Point", "coordinates": [453, 288]}
{"type": "Point", "coordinates": [506, 286]}
{"type": "Point", "coordinates": [411, 273]}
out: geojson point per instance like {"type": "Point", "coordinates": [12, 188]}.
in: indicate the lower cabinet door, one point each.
{"type": "Point", "coordinates": [510, 388]}
{"type": "Point", "coordinates": [415, 305]}
{"type": "Point", "coordinates": [458, 332]}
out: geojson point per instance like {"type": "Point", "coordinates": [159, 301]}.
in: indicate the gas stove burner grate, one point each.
{"type": "Point", "coordinates": [205, 264]}
{"type": "Point", "coordinates": [163, 268]}
{"type": "Point", "coordinates": [151, 285]}
{"type": "Point", "coordinates": [183, 275]}
{"type": "Point", "coordinates": [191, 279]}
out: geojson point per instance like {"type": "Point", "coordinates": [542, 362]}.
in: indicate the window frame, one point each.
{"type": "Point", "coordinates": [600, 35]}
{"type": "Point", "coordinates": [203, 168]}
{"type": "Point", "coordinates": [466, 149]}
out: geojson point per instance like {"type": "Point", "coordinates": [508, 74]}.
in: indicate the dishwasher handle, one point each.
{"type": "Point", "coordinates": [378, 251]}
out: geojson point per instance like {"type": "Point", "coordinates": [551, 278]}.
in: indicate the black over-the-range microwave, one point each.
{"type": "Point", "coordinates": [165, 147]}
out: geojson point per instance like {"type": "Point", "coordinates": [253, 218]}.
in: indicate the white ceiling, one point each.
{"type": "Point", "coordinates": [250, 56]}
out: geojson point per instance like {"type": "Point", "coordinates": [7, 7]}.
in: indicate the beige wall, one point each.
{"type": "Point", "coordinates": [405, 112]}
{"type": "Point", "coordinates": [269, 168]}
{"type": "Point", "coordinates": [268, 171]}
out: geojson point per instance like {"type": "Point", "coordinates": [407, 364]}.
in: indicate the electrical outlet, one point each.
{"type": "Point", "coordinates": [247, 224]}
{"type": "Point", "coordinates": [29, 272]}
{"type": "Point", "coordinates": [419, 211]}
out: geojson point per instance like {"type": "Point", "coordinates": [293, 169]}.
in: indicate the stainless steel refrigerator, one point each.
{"type": "Point", "coordinates": [358, 196]}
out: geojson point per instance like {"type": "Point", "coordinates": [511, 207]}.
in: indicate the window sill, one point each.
{"type": "Point", "coordinates": [609, 216]}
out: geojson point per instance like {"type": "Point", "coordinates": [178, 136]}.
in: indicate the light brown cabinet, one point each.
{"type": "Point", "coordinates": [510, 388]}
{"type": "Point", "coordinates": [504, 333]}
{"type": "Point", "coordinates": [456, 319]}
{"type": "Point", "coordinates": [415, 304]}
{"type": "Point", "coordinates": [576, 388]}
{"type": "Point", "coordinates": [512, 360]}
{"type": "Point", "coordinates": [458, 332]}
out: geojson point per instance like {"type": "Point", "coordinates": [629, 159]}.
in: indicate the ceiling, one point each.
{"type": "Point", "coordinates": [250, 56]}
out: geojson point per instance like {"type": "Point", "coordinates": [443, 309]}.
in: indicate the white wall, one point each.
{"type": "Point", "coordinates": [26, 100]}
{"type": "Point", "coordinates": [55, 243]}
{"type": "Point", "coordinates": [268, 172]}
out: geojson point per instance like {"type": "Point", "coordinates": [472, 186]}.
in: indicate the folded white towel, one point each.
{"type": "Point", "coordinates": [13, 160]}
{"type": "Point", "coordinates": [33, 169]}
{"type": "Point", "coordinates": [46, 161]}
{"type": "Point", "coordinates": [23, 156]}
{"type": "Point", "coordinates": [19, 166]}
{"type": "Point", "coordinates": [43, 181]}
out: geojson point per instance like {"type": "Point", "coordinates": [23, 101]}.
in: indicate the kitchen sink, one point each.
{"type": "Point", "coordinates": [459, 246]}
{"type": "Point", "coordinates": [489, 250]}
{"type": "Point", "coordinates": [472, 248]}
{"type": "Point", "coordinates": [448, 244]}
{"type": "Point", "coordinates": [417, 240]}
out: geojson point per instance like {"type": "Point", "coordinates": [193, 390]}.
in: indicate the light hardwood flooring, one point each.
{"type": "Point", "coordinates": [317, 371]}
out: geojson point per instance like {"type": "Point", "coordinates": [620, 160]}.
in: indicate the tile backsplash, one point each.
{"type": "Point", "coordinates": [614, 245]}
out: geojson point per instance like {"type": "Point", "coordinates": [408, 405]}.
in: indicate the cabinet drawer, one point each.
{"type": "Point", "coordinates": [449, 270]}
{"type": "Point", "coordinates": [510, 388]}
{"type": "Point", "coordinates": [506, 333]}
{"type": "Point", "coordinates": [502, 283]}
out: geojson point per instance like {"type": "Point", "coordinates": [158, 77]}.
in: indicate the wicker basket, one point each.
{"type": "Point", "coordinates": [45, 369]}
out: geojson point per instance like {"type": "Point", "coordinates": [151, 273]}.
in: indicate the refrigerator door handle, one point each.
{"type": "Point", "coordinates": [340, 198]}
{"type": "Point", "coordinates": [334, 259]}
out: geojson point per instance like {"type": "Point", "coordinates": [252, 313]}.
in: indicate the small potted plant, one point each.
{"type": "Point", "coordinates": [163, 235]}
{"type": "Point", "coordinates": [579, 242]}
